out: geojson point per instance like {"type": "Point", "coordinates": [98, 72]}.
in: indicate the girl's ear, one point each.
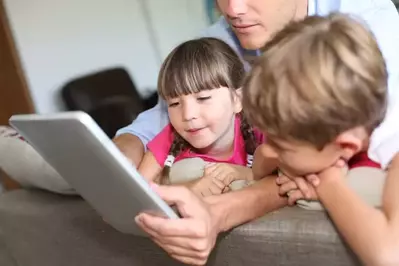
{"type": "Point", "coordinates": [237, 101]}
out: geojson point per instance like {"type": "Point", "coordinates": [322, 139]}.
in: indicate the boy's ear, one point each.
{"type": "Point", "coordinates": [351, 142]}
{"type": "Point", "coordinates": [239, 92]}
{"type": "Point", "coordinates": [237, 100]}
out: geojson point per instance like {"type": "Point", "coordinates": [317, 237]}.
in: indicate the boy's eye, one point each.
{"type": "Point", "coordinates": [203, 98]}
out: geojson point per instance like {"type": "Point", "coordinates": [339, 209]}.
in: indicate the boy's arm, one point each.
{"type": "Point", "coordinates": [373, 234]}
{"type": "Point", "coordinates": [133, 139]}
{"type": "Point", "coordinates": [262, 166]}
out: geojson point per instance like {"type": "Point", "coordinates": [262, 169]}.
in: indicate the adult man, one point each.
{"type": "Point", "coordinates": [246, 26]}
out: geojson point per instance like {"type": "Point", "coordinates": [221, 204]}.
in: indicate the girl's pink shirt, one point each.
{"type": "Point", "coordinates": [161, 144]}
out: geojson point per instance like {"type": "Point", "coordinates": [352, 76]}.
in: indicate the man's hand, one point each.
{"type": "Point", "coordinates": [189, 239]}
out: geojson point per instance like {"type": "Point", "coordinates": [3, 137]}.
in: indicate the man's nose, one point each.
{"type": "Point", "coordinates": [235, 8]}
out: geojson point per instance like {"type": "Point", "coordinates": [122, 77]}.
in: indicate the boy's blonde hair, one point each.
{"type": "Point", "coordinates": [316, 79]}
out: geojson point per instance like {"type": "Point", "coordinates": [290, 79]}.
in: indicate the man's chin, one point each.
{"type": "Point", "coordinates": [254, 40]}
{"type": "Point", "coordinates": [251, 45]}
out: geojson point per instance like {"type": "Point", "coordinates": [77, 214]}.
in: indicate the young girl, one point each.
{"type": "Point", "coordinates": [208, 143]}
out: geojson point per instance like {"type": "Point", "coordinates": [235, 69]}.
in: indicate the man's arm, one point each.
{"type": "Point", "coordinates": [373, 234]}
{"type": "Point", "coordinates": [132, 139]}
{"type": "Point", "coordinates": [241, 206]}
{"type": "Point", "coordinates": [131, 146]}
{"type": "Point", "coordinates": [191, 238]}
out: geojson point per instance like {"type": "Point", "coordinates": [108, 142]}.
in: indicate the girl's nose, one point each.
{"type": "Point", "coordinates": [190, 111]}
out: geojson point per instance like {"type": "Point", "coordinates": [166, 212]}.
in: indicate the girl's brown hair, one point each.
{"type": "Point", "coordinates": [195, 66]}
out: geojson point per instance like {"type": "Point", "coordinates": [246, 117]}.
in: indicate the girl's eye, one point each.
{"type": "Point", "coordinates": [203, 98]}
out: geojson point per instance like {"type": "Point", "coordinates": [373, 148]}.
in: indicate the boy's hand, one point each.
{"type": "Point", "coordinates": [297, 188]}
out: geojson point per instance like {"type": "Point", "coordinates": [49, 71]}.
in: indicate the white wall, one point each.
{"type": "Point", "coordinates": [58, 40]}
{"type": "Point", "coordinates": [175, 21]}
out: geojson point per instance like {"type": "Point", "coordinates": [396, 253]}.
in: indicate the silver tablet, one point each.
{"type": "Point", "coordinates": [89, 161]}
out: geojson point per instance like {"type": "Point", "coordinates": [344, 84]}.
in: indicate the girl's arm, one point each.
{"type": "Point", "coordinates": [157, 151]}
{"type": "Point", "coordinates": [150, 168]}
{"type": "Point", "coordinates": [373, 234]}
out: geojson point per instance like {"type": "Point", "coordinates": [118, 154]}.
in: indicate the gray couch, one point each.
{"type": "Point", "coordinates": [39, 228]}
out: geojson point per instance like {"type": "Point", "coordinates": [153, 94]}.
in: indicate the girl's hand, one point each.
{"type": "Point", "coordinates": [227, 173]}
{"type": "Point", "coordinates": [217, 178]}
{"type": "Point", "coordinates": [207, 186]}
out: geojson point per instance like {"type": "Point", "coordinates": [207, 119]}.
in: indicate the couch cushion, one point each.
{"type": "Point", "coordinates": [45, 229]}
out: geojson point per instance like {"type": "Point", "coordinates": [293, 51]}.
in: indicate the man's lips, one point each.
{"type": "Point", "coordinates": [243, 27]}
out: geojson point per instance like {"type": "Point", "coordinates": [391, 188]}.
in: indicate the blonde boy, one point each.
{"type": "Point", "coordinates": [318, 92]}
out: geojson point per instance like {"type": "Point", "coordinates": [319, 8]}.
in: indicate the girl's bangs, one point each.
{"type": "Point", "coordinates": [194, 73]}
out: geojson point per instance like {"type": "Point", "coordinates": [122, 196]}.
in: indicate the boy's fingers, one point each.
{"type": "Point", "coordinates": [303, 187]}
{"type": "Point", "coordinates": [294, 196]}
{"type": "Point", "coordinates": [313, 179]}
{"type": "Point", "coordinates": [340, 163]}
{"type": "Point", "coordinates": [282, 179]}
{"type": "Point", "coordinates": [287, 187]}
